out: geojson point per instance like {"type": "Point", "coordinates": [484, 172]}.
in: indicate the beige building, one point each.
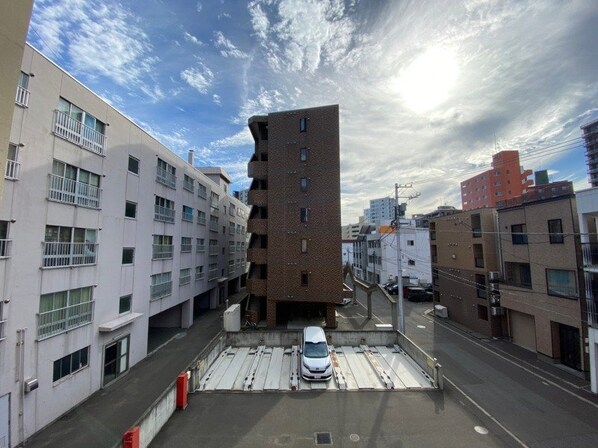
{"type": "Point", "coordinates": [464, 253]}
{"type": "Point", "coordinates": [295, 245]}
{"type": "Point", "coordinates": [542, 288]}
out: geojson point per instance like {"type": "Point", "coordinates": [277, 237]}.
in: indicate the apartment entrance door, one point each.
{"type": "Point", "coordinates": [570, 350]}
{"type": "Point", "coordinates": [116, 359]}
{"type": "Point", "coordinates": [5, 421]}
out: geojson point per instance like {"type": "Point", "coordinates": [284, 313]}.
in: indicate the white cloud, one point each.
{"type": "Point", "coordinates": [241, 138]}
{"type": "Point", "coordinates": [200, 78]}
{"type": "Point", "coordinates": [259, 20]}
{"type": "Point", "coordinates": [199, 7]}
{"type": "Point", "coordinates": [216, 99]}
{"type": "Point", "coordinates": [227, 48]}
{"type": "Point", "coordinates": [264, 102]}
{"type": "Point", "coordinates": [191, 38]}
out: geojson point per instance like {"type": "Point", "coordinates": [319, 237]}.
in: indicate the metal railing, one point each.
{"type": "Point", "coordinates": [5, 246]}
{"type": "Point", "coordinates": [201, 220]}
{"type": "Point", "coordinates": [188, 216]}
{"type": "Point", "coordinates": [200, 248]}
{"type": "Point", "coordinates": [212, 274]}
{"type": "Point", "coordinates": [214, 226]}
{"type": "Point", "coordinates": [186, 247]}
{"type": "Point", "coordinates": [590, 254]}
{"type": "Point", "coordinates": [57, 254]}
{"type": "Point", "coordinates": [213, 250]}
{"type": "Point", "coordinates": [69, 191]}
{"type": "Point", "coordinates": [188, 185]}
{"type": "Point", "coordinates": [185, 280]}
{"type": "Point", "coordinates": [78, 133]}
{"type": "Point", "coordinates": [165, 177]}
{"type": "Point", "coordinates": [50, 323]}
{"type": "Point", "coordinates": [200, 276]}
{"type": "Point", "coordinates": [162, 251]}
{"type": "Point", "coordinates": [13, 170]}
{"type": "Point", "coordinates": [22, 98]}
{"type": "Point", "coordinates": [160, 290]}
{"type": "Point", "coordinates": [163, 214]}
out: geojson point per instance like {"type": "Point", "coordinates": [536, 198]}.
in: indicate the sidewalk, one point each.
{"type": "Point", "coordinates": [102, 419]}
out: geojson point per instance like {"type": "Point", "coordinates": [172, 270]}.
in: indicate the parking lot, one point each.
{"type": "Point", "coordinates": [266, 368]}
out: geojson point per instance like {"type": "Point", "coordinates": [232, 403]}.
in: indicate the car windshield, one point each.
{"type": "Point", "coordinates": [316, 350]}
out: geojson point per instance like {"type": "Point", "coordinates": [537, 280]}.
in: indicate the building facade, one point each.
{"type": "Point", "coordinates": [590, 136]}
{"type": "Point", "coordinates": [507, 179]}
{"type": "Point", "coordinates": [106, 234]}
{"type": "Point", "coordinates": [464, 251]}
{"type": "Point", "coordinates": [381, 210]}
{"type": "Point", "coordinates": [542, 289]}
{"type": "Point", "coordinates": [295, 245]}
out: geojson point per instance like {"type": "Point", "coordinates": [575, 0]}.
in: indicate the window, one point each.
{"type": "Point", "coordinates": [166, 174]}
{"type": "Point", "coordinates": [79, 127]}
{"type": "Point", "coordinates": [304, 278]}
{"type": "Point", "coordinates": [214, 200]}
{"type": "Point", "coordinates": [213, 247]}
{"type": "Point", "coordinates": [186, 244]}
{"type": "Point", "coordinates": [133, 165]}
{"type": "Point", "coordinates": [231, 247]}
{"type": "Point", "coordinates": [188, 183]}
{"type": "Point", "coordinates": [519, 234]}
{"type": "Point", "coordinates": [130, 209]}
{"type": "Point", "coordinates": [232, 210]}
{"type": "Point", "coordinates": [478, 255]}
{"type": "Point", "coordinates": [184, 276]}
{"type": "Point", "coordinates": [162, 247]}
{"type": "Point", "coordinates": [124, 304]}
{"type": "Point", "coordinates": [4, 241]}
{"type": "Point", "coordinates": [164, 210]}
{"type": "Point", "coordinates": [410, 242]}
{"type": "Point", "coordinates": [68, 246]}
{"type": "Point", "coordinates": [518, 274]}
{"type": "Point", "coordinates": [476, 225]}
{"type": "Point", "coordinates": [231, 228]}
{"type": "Point", "coordinates": [187, 213]}
{"type": "Point", "coordinates": [72, 185]}
{"type": "Point", "coordinates": [304, 214]}
{"type": "Point", "coordinates": [555, 230]}
{"type": "Point", "coordinates": [202, 191]}
{"type": "Point", "coordinates": [161, 285]}
{"type": "Point", "coordinates": [480, 281]}
{"type": "Point", "coordinates": [411, 262]}
{"type": "Point", "coordinates": [214, 223]}
{"type": "Point", "coordinates": [201, 245]}
{"type": "Point", "coordinates": [13, 167]}
{"type": "Point", "coordinates": [2, 321]}
{"type": "Point", "coordinates": [70, 364]}
{"type": "Point", "coordinates": [482, 312]}
{"type": "Point", "coordinates": [128, 255]}
{"type": "Point", "coordinates": [22, 98]}
{"type": "Point", "coordinates": [303, 184]}
{"type": "Point", "coordinates": [116, 359]}
{"type": "Point", "coordinates": [303, 155]}
{"type": "Point", "coordinates": [302, 124]}
{"type": "Point", "coordinates": [64, 310]}
{"type": "Point", "coordinates": [201, 218]}
{"type": "Point", "coordinates": [303, 245]}
{"type": "Point", "coordinates": [561, 283]}
{"type": "Point", "coordinates": [212, 271]}
{"type": "Point", "coordinates": [199, 273]}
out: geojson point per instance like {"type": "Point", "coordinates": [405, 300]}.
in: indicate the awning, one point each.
{"type": "Point", "coordinates": [119, 322]}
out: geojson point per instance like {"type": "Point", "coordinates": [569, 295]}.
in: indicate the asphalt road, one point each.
{"type": "Point", "coordinates": [534, 404]}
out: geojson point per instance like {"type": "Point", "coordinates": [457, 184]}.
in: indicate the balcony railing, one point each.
{"type": "Point", "coordinates": [186, 247]}
{"type": "Point", "coordinates": [213, 250]}
{"type": "Point", "coordinates": [78, 133]}
{"type": "Point", "coordinates": [160, 290]}
{"type": "Point", "coordinates": [213, 226]}
{"type": "Point", "coordinates": [5, 246]}
{"type": "Point", "coordinates": [22, 98]}
{"type": "Point", "coordinates": [200, 276]}
{"type": "Point", "coordinates": [188, 185]}
{"type": "Point", "coordinates": [231, 269]}
{"type": "Point", "coordinates": [162, 251]}
{"type": "Point", "coordinates": [201, 220]}
{"type": "Point", "coordinates": [57, 255]}
{"type": "Point", "coordinates": [185, 280]}
{"type": "Point", "coordinates": [58, 321]}
{"type": "Point", "coordinates": [590, 254]}
{"type": "Point", "coordinates": [163, 214]}
{"type": "Point", "coordinates": [69, 191]}
{"type": "Point", "coordinates": [165, 177]}
{"type": "Point", "coordinates": [187, 216]}
{"type": "Point", "coordinates": [212, 274]}
{"type": "Point", "coordinates": [592, 305]}
{"type": "Point", "coordinates": [13, 170]}
{"type": "Point", "coordinates": [200, 248]}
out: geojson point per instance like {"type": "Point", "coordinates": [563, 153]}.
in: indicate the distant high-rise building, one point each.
{"type": "Point", "coordinates": [295, 245]}
{"type": "Point", "coordinates": [241, 195]}
{"type": "Point", "coordinates": [590, 135]}
{"type": "Point", "coordinates": [506, 180]}
{"type": "Point", "coordinates": [381, 210]}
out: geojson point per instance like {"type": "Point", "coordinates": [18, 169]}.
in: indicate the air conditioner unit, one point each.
{"type": "Point", "coordinates": [497, 311]}
{"type": "Point", "coordinates": [493, 276]}
{"type": "Point", "coordinates": [30, 385]}
{"type": "Point", "coordinates": [494, 298]}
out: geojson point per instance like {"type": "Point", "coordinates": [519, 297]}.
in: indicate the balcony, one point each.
{"type": "Point", "coordinates": [22, 98]}
{"type": "Point", "coordinates": [78, 133]}
{"type": "Point", "coordinates": [13, 170]}
{"type": "Point", "coordinates": [69, 191]}
{"type": "Point", "coordinates": [212, 274]}
{"type": "Point", "coordinates": [160, 290]}
{"type": "Point", "coordinates": [257, 255]}
{"type": "Point", "coordinates": [258, 198]}
{"type": "Point", "coordinates": [200, 248]}
{"type": "Point", "coordinates": [165, 177]}
{"type": "Point", "coordinates": [257, 170]}
{"type": "Point", "coordinates": [213, 226]}
{"type": "Point", "coordinates": [60, 320]}
{"type": "Point", "coordinates": [257, 226]}
{"type": "Point", "coordinates": [257, 286]}
{"type": "Point", "coordinates": [184, 280]}
{"type": "Point", "coordinates": [163, 214]}
{"type": "Point", "coordinates": [58, 255]}
{"type": "Point", "coordinates": [5, 246]}
{"type": "Point", "coordinates": [590, 255]}
{"type": "Point", "coordinates": [213, 250]}
{"type": "Point", "coordinates": [162, 251]}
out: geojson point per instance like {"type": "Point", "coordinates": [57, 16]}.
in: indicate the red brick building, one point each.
{"type": "Point", "coordinates": [506, 180]}
{"type": "Point", "coordinates": [295, 245]}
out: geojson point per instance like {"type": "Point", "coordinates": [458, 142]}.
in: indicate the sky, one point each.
{"type": "Point", "coordinates": [427, 91]}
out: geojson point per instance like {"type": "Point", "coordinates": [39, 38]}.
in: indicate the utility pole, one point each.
{"type": "Point", "coordinates": [400, 211]}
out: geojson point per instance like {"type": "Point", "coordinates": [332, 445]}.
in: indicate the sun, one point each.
{"type": "Point", "coordinates": [428, 80]}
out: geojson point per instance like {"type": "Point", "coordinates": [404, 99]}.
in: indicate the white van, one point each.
{"type": "Point", "coordinates": [315, 357]}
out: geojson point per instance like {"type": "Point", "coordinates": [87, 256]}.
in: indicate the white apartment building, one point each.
{"type": "Point", "coordinates": [104, 234]}
{"type": "Point", "coordinates": [380, 210]}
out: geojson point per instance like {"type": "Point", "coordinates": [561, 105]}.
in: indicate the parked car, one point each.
{"type": "Point", "coordinates": [316, 364]}
{"type": "Point", "coordinates": [389, 285]}
{"type": "Point", "coordinates": [412, 293]}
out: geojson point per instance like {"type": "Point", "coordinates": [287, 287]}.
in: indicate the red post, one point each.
{"type": "Point", "coordinates": [181, 391]}
{"type": "Point", "coordinates": [131, 438]}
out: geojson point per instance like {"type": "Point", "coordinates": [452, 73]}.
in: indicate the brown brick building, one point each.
{"type": "Point", "coordinates": [295, 244]}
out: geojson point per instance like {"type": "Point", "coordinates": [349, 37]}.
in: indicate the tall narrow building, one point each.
{"type": "Point", "coordinates": [295, 244]}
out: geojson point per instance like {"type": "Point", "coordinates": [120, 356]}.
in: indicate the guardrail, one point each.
{"type": "Point", "coordinates": [426, 362]}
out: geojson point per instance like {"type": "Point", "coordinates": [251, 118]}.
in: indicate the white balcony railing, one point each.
{"type": "Point", "coordinates": [69, 191]}
{"type": "Point", "coordinates": [163, 214]}
{"type": "Point", "coordinates": [162, 251]}
{"type": "Point", "coordinates": [57, 255]}
{"type": "Point", "coordinates": [78, 133]}
{"type": "Point", "coordinates": [5, 248]}
{"type": "Point", "coordinates": [160, 290]}
{"type": "Point", "coordinates": [13, 170]}
{"type": "Point", "coordinates": [58, 321]}
{"type": "Point", "coordinates": [165, 177]}
{"type": "Point", "coordinates": [22, 98]}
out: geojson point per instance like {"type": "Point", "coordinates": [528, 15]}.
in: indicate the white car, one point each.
{"type": "Point", "coordinates": [316, 364]}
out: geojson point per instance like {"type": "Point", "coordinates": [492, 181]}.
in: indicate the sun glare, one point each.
{"type": "Point", "coordinates": [428, 80]}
